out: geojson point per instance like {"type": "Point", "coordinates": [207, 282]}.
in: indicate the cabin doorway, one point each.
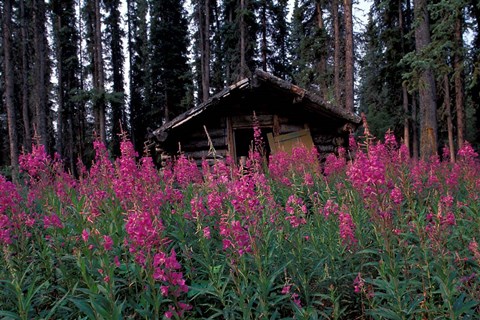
{"type": "Point", "coordinates": [243, 139]}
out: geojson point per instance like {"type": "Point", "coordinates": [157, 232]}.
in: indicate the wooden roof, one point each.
{"type": "Point", "coordinates": [308, 99]}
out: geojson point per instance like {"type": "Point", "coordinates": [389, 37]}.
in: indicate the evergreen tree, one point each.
{"type": "Point", "coordinates": [382, 91]}
{"type": "Point", "coordinates": [474, 85]}
{"type": "Point", "coordinates": [310, 40]}
{"type": "Point", "coordinates": [169, 74]}
{"type": "Point", "coordinates": [66, 40]}
{"type": "Point", "coordinates": [114, 43]}
{"type": "Point", "coordinates": [426, 87]}
{"type": "Point", "coordinates": [94, 40]}
{"type": "Point", "coordinates": [239, 33]}
{"type": "Point", "coordinates": [9, 83]}
{"type": "Point", "coordinates": [40, 72]}
{"type": "Point", "coordinates": [202, 13]}
{"type": "Point", "coordinates": [273, 35]}
{"type": "Point", "coordinates": [25, 71]}
{"type": "Point", "coordinates": [138, 52]}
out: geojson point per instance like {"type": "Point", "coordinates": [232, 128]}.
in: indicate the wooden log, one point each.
{"type": "Point", "coordinates": [201, 154]}
{"type": "Point", "coordinates": [246, 121]}
{"type": "Point", "coordinates": [199, 133]}
{"type": "Point", "coordinates": [287, 128]}
{"type": "Point", "coordinates": [199, 144]}
{"type": "Point", "coordinates": [323, 139]}
{"type": "Point", "coordinates": [326, 148]}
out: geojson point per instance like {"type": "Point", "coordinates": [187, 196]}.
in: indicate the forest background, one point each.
{"type": "Point", "coordinates": [76, 70]}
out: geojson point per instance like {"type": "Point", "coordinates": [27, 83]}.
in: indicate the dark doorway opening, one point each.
{"type": "Point", "coordinates": [244, 142]}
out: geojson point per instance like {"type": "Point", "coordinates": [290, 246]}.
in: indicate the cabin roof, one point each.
{"type": "Point", "coordinates": [308, 98]}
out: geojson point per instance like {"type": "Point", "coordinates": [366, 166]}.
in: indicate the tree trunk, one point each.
{"type": "Point", "coordinates": [100, 85]}
{"type": "Point", "coordinates": [243, 62]}
{"type": "Point", "coordinates": [40, 67]}
{"type": "Point", "coordinates": [8, 74]}
{"type": "Point", "coordinates": [406, 120]}
{"type": "Point", "coordinates": [204, 32]}
{"type": "Point", "coordinates": [336, 54]}
{"type": "Point", "coordinates": [264, 35]}
{"type": "Point", "coordinates": [61, 103]}
{"type": "Point", "coordinates": [427, 91]}
{"type": "Point", "coordinates": [349, 56]}
{"type": "Point", "coordinates": [475, 87]}
{"type": "Point", "coordinates": [322, 63]}
{"type": "Point", "coordinates": [80, 116]}
{"type": "Point", "coordinates": [25, 93]}
{"type": "Point", "coordinates": [414, 128]}
{"type": "Point", "coordinates": [131, 84]}
{"type": "Point", "coordinates": [116, 52]}
{"type": "Point", "coordinates": [458, 75]}
{"type": "Point", "coordinates": [207, 50]}
{"type": "Point", "coordinates": [448, 112]}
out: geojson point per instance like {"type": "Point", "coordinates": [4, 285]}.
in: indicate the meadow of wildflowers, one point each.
{"type": "Point", "coordinates": [377, 237]}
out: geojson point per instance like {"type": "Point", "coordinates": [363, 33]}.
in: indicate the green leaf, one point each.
{"type": "Point", "coordinates": [7, 315]}
{"type": "Point", "coordinates": [84, 307]}
{"type": "Point", "coordinates": [386, 313]}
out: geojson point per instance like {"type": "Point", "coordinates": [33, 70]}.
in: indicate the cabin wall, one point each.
{"type": "Point", "coordinates": [193, 141]}
{"type": "Point", "coordinates": [273, 114]}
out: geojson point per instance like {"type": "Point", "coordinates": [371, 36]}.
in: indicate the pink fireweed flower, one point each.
{"type": "Point", "coordinates": [286, 289]}
{"type": "Point", "coordinates": [449, 219]}
{"type": "Point", "coordinates": [198, 208]}
{"type": "Point", "coordinates": [390, 140]}
{"type": "Point", "coordinates": [145, 231]}
{"type": "Point", "coordinates": [52, 221]}
{"type": "Point", "coordinates": [330, 208]}
{"type": "Point", "coordinates": [352, 143]}
{"type": "Point", "coordinates": [164, 290]}
{"type": "Point", "coordinates": [107, 243]}
{"type": "Point", "coordinates": [116, 261]}
{"type": "Point", "coordinates": [308, 179]}
{"type": "Point", "coordinates": [335, 164]}
{"type": "Point", "coordinates": [85, 235]}
{"type": "Point", "coordinates": [367, 173]}
{"type": "Point", "coordinates": [296, 300]}
{"type": "Point", "coordinates": [186, 172]}
{"type": "Point", "coordinates": [447, 201]}
{"type": "Point", "coordinates": [358, 283]}
{"type": "Point", "coordinates": [467, 154]}
{"type": "Point", "coordinates": [206, 232]}
{"type": "Point", "coordinates": [396, 195]}
{"type": "Point", "coordinates": [347, 228]}
{"type": "Point", "coordinates": [36, 162]}
{"type": "Point", "coordinates": [297, 210]}
{"type": "Point", "coordinates": [5, 227]}
{"type": "Point", "coordinates": [473, 247]}
{"type": "Point", "coordinates": [235, 236]}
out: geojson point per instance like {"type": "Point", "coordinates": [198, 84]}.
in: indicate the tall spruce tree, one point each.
{"type": "Point", "coordinates": [426, 87]}
{"type": "Point", "coordinates": [202, 46]}
{"type": "Point", "coordinates": [310, 40]}
{"type": "Point", "coordinates": [383, 91]}
{"type": "Point", "coordinates": [40, 73]}
{"type": "Point", "coordinates": [273, 37]}
{"type": "Point", "coordinates": [115, 34]}
{"type": "Point", "coordinates": [9, 83]}
{"type": "Point", "coordinates": [137, 37]}
{"type": "Point", "coordinates": [169, 74]}
{"type": "Point", "coordinates": [239, 34]}
{"type": "Point", "coordinates": [65, 43]}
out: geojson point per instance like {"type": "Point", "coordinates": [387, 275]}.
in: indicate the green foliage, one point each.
{"type": "Point", "coordinates": [249, 243]}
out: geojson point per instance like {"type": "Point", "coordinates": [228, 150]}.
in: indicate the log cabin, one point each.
{"type": "Point", "coordinates": [286, 114]}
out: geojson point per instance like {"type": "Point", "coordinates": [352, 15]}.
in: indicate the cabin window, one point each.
{"type": "Point", "coordinates": [244, 142]}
